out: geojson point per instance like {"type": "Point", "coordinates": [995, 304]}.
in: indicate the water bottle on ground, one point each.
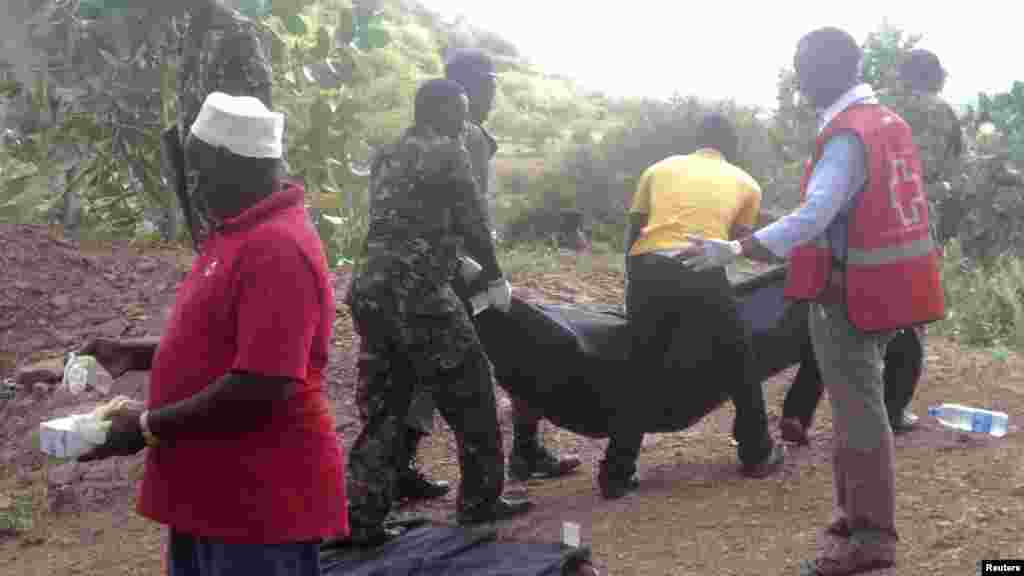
{"type": "Point", "coordinates": [971, 419]}
{"type": "Point", "coordinates": [82, 372]}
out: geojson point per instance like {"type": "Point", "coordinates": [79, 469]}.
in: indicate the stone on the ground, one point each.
{"type": "Point", "coordinates": [48, 371]}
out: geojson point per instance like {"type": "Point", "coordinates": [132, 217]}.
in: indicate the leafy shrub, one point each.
{"type": "Point", "coordinates": [984, 303]}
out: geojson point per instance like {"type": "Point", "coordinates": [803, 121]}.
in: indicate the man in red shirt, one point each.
{"type": "Point", "coordinates": [243, 462]}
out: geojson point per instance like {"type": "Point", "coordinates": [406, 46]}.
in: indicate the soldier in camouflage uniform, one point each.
{"type": "Point", "coordinates": [220, 52]}
{"type": "Point", "coordinates": [474, 71]}
{"type": "Point", "coordinates": [424, 209]}
{"type": "Point", "coordinates": [937, 134]}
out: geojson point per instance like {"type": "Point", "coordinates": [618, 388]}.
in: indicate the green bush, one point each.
{"type": "Point", "coordinates": [538, 215]}
{"type": "Point", "coordinates": [598, 177]}
{"type": "Point", "coordinates": [18, 517]}
{"type": "Point", "coordinates": [984, 303]}
{"type": "Point", "coordinates": [606, 235]}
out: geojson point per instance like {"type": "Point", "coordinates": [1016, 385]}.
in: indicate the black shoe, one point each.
{"type": "Point", "coordinates": [502, 509]}
{"type": "Point", "coordinates": [768, 466]}
{"type": "Point", "coordinates": [413, 485]}
{"type": "Point", "coordinates": [616, 485]}
{"type": "Point", "coordinates": [368, 537]}
{"type": "Point", "coordinates": [906, 422]}
{"type": "Point", "coordinates": [539, 462]}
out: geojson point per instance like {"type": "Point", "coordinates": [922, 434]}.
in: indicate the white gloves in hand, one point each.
{"type": "Point", "coordinates": [499, 293]}
{"type": "Point", "coordinates": [710, 253]}
{"type": "Point", "coordinates": [469, 269]}
{"type": "Point", "coordinates": [479, 303]}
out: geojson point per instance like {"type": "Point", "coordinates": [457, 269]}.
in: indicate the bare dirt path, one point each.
{"type": "Point", "coordinates": [960, 499]}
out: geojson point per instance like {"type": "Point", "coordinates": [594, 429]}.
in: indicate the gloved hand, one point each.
{"type": "Point", "coordinates": [499, 293]}
{"type": "Point", "coordinates": [469, 269]}
{"type": "Point", "coordinates": [706, 253]}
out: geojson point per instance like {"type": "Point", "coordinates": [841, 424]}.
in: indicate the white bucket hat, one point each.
{"type": "Point", "coordinates": [242, 124]}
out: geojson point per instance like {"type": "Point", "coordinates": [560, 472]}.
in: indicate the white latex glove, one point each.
{"type": "Point", "coordinates": [469, 269]}
{"type": "Point", "coordinates": [479, 302]}
{"type": "Point", "coordinates": [91, 428]}
{"type": "Point", "coordinates": [711, 253]}
{"type": "Point", "coordinates": [499, 293]}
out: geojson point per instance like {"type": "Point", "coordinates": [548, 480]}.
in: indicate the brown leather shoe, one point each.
{"type": "Point", "coordinates": [852, 556]}
{"type": "Point", "coordinates": [793, 431]}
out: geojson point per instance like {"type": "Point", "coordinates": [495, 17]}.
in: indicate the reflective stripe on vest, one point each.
{"type": "Point", "coordinates": [891, 254]}
{"type": "Point", "coordinates": [896, 284]}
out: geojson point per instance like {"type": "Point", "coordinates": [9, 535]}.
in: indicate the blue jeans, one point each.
{"type": "Point", "coordinates": [189, 555]}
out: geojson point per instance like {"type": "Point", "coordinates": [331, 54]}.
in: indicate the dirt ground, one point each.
{"type": "Point", "coordinates": [960, 498]}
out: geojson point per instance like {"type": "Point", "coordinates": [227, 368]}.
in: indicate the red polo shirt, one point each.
{"type": "Point", "coordinates": [258, 300]}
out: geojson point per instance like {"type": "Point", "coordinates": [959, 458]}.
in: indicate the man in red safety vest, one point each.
{"type": "Point", "coordinates": [860, 250]}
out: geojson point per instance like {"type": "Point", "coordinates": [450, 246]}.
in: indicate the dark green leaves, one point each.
{"type": "Point", "coordinates": [254, 9]}
{"type": "Point", "coordinates": [369, 29]}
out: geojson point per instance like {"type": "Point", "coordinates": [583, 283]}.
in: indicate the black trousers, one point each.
{"type": "Point", "coordinates": [687, 331]}
{"type": "Point", "coordinates": [903, 364]}
{"type": "Point", "coordinates": [805, 392]}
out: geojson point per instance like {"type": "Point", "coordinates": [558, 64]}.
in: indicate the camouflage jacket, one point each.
{"type": "Point", "coordinates": [424, 207]}
{"type": "Point", "coordinates": [482, 148]}
{"type": "Point", "coordinates": [936, 131]}
{"type": "Point", "coordinates": [222, 53]}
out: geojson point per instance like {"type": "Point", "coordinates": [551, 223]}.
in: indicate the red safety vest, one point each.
{"type": "Point", "coordinates": [891, 279]}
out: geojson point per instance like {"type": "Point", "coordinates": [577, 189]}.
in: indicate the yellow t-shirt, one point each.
{"type": "Point", "coordinates": [700, 194]}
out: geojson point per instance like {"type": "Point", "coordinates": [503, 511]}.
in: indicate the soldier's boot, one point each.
{"type": "Point", "coordinates": [529, 458]}
{"type": "Point", "coordinates": [370, 536]}
{"type": "Point", "coordinates": [501, 509]}
{"type": "Point", "coordinates": [412, 484]}
{"type": "Point", "coordinates": [493, 509]}
{"type": "Point", "coordinates": [367, 516]}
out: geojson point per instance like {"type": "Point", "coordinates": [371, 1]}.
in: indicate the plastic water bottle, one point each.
{"type": "Point", "coordinates": [971, 419]}
{"type": "Point", "coordinates": [83, 372]}
{"type": "Point", "coordinates": [76, 375]}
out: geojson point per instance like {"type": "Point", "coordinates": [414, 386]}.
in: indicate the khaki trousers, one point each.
{"type": "Point", "coordinates": [864, 457]}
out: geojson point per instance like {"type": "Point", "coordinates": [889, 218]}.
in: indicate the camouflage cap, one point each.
{"type": "Point", "coordinates": [923, 71]}
{"type": "Point", "coordinates": [470, 62]}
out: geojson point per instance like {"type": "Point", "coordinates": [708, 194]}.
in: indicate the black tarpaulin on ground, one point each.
{"type": "Point", "coordinates": [440, 550]}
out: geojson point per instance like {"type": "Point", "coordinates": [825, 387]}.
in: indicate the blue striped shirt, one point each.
{"type": "Point", "coordinates": [838, 176]}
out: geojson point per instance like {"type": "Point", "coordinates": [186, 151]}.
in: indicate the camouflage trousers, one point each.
{"type": "Point", "coordinates": [421, 411]}
{"type": "Point", "coordinates": [943, 213]}
{"type": "Point", "coordinates": [525, 423]}
{"type": "Point", "coordinates": [442, 356]}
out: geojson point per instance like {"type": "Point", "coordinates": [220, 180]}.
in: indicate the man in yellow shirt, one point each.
{"type": "Point", "coordinates": [672, 308]}
{"type": "Point", "coordinates": [693, 194]}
